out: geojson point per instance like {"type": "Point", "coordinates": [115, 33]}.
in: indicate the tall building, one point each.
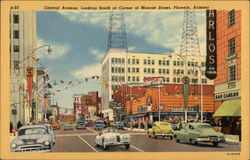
{"type": "Point", "coordinates": [120, 67]}
{"type": "Point", "coordinates": [228, 80]}
{"type": "Point", "coordinates": [22, 43]}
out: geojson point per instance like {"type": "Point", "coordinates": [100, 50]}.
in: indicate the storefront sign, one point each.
{"type": "Point", "coordinates": [162, 107]}
{"type": "Point", "coordinates": [228, 95]}
{"type": "Point", "coordinates": [211, 59]}
{"type": "Point", "coordinates": [153, 81]}
{"type": "Point", "coordinates": [177, 109]}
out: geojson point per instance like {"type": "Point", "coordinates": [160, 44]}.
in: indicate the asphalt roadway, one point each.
{"type": "Point", "coordinates": [84, 141]}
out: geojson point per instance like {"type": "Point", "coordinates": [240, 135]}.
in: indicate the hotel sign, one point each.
{"type": "Point", "coordinates": [211, 59]}
{"type": "Point", "coordinates": [153, 81]}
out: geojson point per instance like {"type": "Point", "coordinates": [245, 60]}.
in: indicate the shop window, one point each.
{"type": "Point", "coordinates": [231, 46]}
{"type": "Point", "coordinates": [231, 18]}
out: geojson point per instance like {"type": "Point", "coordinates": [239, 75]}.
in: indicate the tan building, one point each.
{"type": "Point", "coordinates": [22, 41]}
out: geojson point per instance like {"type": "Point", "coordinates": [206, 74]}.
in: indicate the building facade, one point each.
{"type": "Point", "coordinates": [228, 80]}
{"type": "Point", "coordinates": [120, 68]}
{"type": "Point", "coordinates": [22, 41]}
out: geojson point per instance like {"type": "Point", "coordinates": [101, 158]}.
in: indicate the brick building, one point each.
{"type": "Point", "coordinates": [228, 80]}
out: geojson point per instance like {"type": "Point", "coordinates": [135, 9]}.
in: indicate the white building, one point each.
{"type": "Point", "coordinates": [120, 67]}
{"type": "Point", "coordinates": [22, 42]}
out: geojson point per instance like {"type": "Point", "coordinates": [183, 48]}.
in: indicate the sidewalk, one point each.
{"type": "Point", "coordinates": [232, 138]}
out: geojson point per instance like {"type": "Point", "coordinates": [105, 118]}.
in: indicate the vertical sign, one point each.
{"type": "Point", "coordinates": [211, 59]}
{"type": "Point", "coordinates": [29, 75]}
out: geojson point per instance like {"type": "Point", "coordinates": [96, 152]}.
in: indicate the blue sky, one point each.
{"type": "Point", "coordinates": [79, 40]}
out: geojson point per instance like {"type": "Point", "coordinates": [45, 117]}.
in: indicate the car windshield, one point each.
{"type": "Point", "coordinates": [205, 127]}
{"type": "Point", "coordinates": [109, 130]}
{"type": "Point", "coordinates": [31, 131]}
{"type": "Point", "coordinates": [99, 122]}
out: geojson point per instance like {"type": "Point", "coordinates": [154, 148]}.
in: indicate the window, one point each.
{"type": "Point", "coordinates": [153, 70]}
{"type": "Point", "coordinates": [137, 61]}
{"type": "Point", "coordinates": [231, 18]}
{"type": "Point", "coordinates": [232, 73]}
{"type": "Point", "coordinates": [113, 78]}
{"type": "Point", "coordinates": [163, 71]}
{"type": "Point", "coordinates": [16, 34]}
{"type": "Point", "coordinates": [137, 79]}
{"type": "Point", "coordinates": [178, 80]}
{"type": "Point", "coordinates": [16, 48]}
{"type": "Point", "coordinates": [174, 80]}
{"type": "Point", "coordinates": [196, 64]}
{"type": "Point", "coordinates": [192, 64]}
{"type": "Point", "coordinates": [16, 18]}
{"type": "Point", "coordinates": [119, 60]}
{"type": "Point", "coordinates": [159, 71]}
{"type": "Point", "coordinates": [145, 70]}
{"type": "Point", "coordinates": [188, 63]}
{"type": "Point", "coordinates": [112, 60]}
{"type": "Point", "coordinates": [133, 78]}
{"type": "Point", "coordinates": [128, 61]}
{"type": "Point", "coordinates": [168, 63]}
{"type": "Point", "coordinates": [149, 70]}
{"type": "Point", "coordinates": [149, 62]}
{"type": "Point", "coordinates": [112, 69]}
{"type": "Point", "coordinates": [167, 71]}
{"type": "Point", "coordinates": [116, 70]}
{"type": "Point", "coordinates": [119, 70]}
{"type": "Point", "coordinates": [144, 61]}
{"type": "Point", "coordinates": [116, 60]}
{"type": "Point", "coordinates": [203, 64]}
{"type": "Point", "coordinates": [231, 46]}
{"type": "Point", "coordinates": [178, 63]}
{"type": "Point", "coordinates": [129, 78]}
{"type": "Point", "coordinates": [137, 70]}
{"type": "Point", "coordinates": [122, 70]}
{"type": "Point", "coordinates": [153, 62]}
{"type": "Point", "coordinates": [174, 63]}
{"type": "Point", "coordinates": [133, 70]}
{"type": "Point", "coordinates": [164, 63]}
{"type": "Point", "coordinates": [16, 65]}
{"type": "Point", "coordinates": [182, 71]}
{"type": "Point", "coordinates": [167, 79]}
{"type": "Point", "coordinates": [128, 69]}
{"type": "Point", "coordinates": [123, 60]}
{"type": "Point", "coordinates": [182, 63]}
{"type": "Point", "coordinates": [159, 62]}
{"type": "Point", "coordinates": [122, 79]}
{"type": "Point", "coordinates": [174, 71]}
{"type": "Point", "coordinates": [133, 61]}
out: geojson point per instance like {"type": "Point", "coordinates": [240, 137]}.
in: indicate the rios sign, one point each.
{"type": "Point", "coordinates": [211, 60]}
{"type": "Point", "coordinates": [153, 81]}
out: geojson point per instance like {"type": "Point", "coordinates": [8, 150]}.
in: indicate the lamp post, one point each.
{"type": "Point", "coordinates": [201, 94]}
{"type": "Point", "coordinates": [185, 75]}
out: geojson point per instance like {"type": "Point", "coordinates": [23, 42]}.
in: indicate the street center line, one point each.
{"type": "Point", "coordinates": [136, 148]}
{"type": "Point", "coordinates": [87, 143]}
{"type": "Point", "coordinates": [92, 130]}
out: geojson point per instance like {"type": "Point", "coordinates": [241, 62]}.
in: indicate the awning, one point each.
{"type": "Point", "coordinates": [229, 108]}
{"type": "Point", "coordinates": [137, 115]}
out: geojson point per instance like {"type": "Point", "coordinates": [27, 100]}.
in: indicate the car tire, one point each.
{"type": "Point", "coordinates": [177, 139]}
{"type": "Point", "coordinates": [171, 137]}
{"type": "Point", "coordinates": [127, 146]}
{"type": "Point", "coordinates": [215, 144]}
{"type": "Point", "coordinates": [193, 141]}
{"type": "Point", "coordinates": [155, 136]}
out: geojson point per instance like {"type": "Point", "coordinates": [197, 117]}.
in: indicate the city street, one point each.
{"type": "Point", "coordinates": [83, 141]}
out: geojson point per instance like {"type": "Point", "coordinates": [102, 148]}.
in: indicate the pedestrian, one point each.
{"type": "Point", "coordinates": [11, 127]}
{"type": "Point", "coordinates": [19, 125]}
{"type": "Point", "coordinates": [239, 128]}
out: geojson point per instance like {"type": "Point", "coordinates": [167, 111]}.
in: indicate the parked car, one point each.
{"type": "Point", "coordinates": [110, 137]}
{"type": "Point", "coordinates": [80, 124]}
{"type": "Point", "coordinates": [163, 129]}
{"type": "Point", "coordinates": [99, 125]}
{"type": "Point", "coordinates": [33, 138]}
{"type": "Point", "coordinates": [51, 132]}
{"type": "Point", "coordinates": [68, 125]}
{"type": "Point", "coordinates": [90, 123]}
{"type": "Point", "coordinates": [199, 132]}
{"type": "Point", "coordinates": [119, 125]}
{"type": "Point", "coordinates": [55, 125]}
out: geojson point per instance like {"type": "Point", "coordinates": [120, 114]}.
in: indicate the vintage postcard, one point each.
{"type": "Point", "coordinates": [124, 80]}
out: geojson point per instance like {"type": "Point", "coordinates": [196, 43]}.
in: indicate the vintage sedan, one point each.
{"type": "Point", "coordinates": [110, 137]}
{"type": "Point", "coordinates": [80, 124]}
{"type": "Point", "coordinates": [199, 132]}
{"type": "Point", "coordinates": [99, 125]}
{"type": "Point", "coordinates": [32, 138]}
{"type": "Point", "coordinates": [162, 129]}
{"type": "Point", "coordinates": [68, 126]}
{"type": "Point", "coordinates": [119, 125]}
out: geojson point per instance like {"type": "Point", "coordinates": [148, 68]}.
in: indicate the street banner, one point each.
{"type": "Point", "coordinates": [211, 59]}
{"type": "Point", "coordinates": [153, 81]}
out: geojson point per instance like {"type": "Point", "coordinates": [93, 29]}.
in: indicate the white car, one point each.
{"type": "Point", "coordinates": [33, 138]}
{"type": "Point", "coordinates": [110, 137]}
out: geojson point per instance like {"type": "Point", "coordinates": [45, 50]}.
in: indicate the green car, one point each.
{"type": "Point", "coordinates": [68, 125]}
{"type": "Point", "coordinates": [199, 132]}
{"type": "Point", "coordinates": [162, 129]}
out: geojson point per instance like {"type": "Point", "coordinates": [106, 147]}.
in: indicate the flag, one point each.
{"type": "Point", "coordinates": [61, 81]}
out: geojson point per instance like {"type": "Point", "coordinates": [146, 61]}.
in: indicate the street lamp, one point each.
{"type": "Point", "coordinates": [201, 94]}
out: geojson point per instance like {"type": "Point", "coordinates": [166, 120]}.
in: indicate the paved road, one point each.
{"type": "Point", "coordinates": [83, 141]}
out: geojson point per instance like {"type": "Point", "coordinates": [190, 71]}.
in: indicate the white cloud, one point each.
{"type": "Point", "coordinates": [97, 53]}
{"type": "Point", "coordinates": [57, 49]}
{"type": "Point", "coordinates": [88, 71]}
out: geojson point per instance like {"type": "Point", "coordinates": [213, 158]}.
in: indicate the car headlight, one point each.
{"type": "Point", "coordinates": [46, 143]}
{"type": "Point", "coordinates": [13, 145]}
{"type": "Point", "coordinates": [112, 138]}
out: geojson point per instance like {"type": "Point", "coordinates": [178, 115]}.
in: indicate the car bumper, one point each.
{"type": "Point", "coordinates": [207, 139]}
{"type": "Point", "coordinates": [165, 134]}
{"type": "Point", "coordinates": [80, 127]}
{"type": "Point", "coordinates": [32, 148]}
{"type": "Point", "coordinates": [117, 143]}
